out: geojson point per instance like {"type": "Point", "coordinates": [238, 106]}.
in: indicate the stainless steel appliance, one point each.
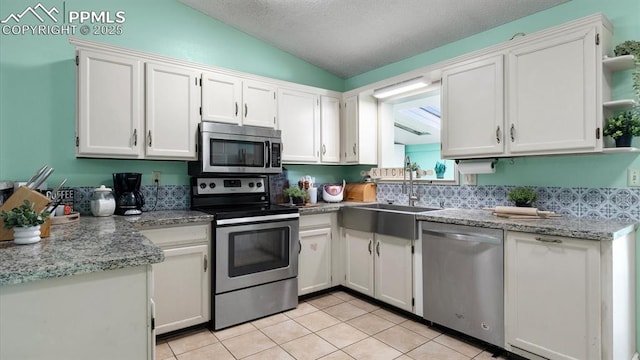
{"type": "Point", "coordinates": [129, 198]}
{"type": "Point", "coordinates": [463, 279]}
{"type": "Point", "coordinates": [255, 248]}
{"type": "Point", "coordinates": [227, 148]}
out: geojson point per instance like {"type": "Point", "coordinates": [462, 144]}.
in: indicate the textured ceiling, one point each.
{"type": "Point", "coordinates": [350, 37]}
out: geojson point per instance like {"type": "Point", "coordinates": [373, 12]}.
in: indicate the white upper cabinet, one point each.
{"type": "Point", "coordinates": [473, 108]}
{"type": "Point", "coordinates": [330, 129]}
{"type": "Point", "coordinates": [109, 109]}
{"type": "Point", "coordinates": [542, 95]}
{"type": "Point", "coordinates": [173, 99]}
{"type": "Point", "coordinates": [360, 130]}
{"type": "Point", "coordinates": [221, 98]}
{"type": "Point", "coordinates": [552, 94]}
{"type": "Point", "coordinates": [299, 121]}
{"type": "Point", "coordinates": [259, 104]}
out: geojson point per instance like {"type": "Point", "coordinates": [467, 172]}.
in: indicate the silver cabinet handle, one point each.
{"type": "Point", "coordinates": [370, 242]}
{"type": "Point", "coordinates": [324, 149]}
{"type": "Point", "coordinates": [354, 148]}
{"type": "Point", "coordinates": [513, 131]}
{"type": "Point", "coordinates": [246, 110]}
{"type": "Point", "coordinates": [299, 247]}
{"type": "Point", "coordinates": [555, 241]}
{"type": "Point", "coordinates": [206, 263]}
{"type": "Point", "coordinates": [498, 134]}
{"type": "Point", "coordinates": [236, 108]}
{"type": "Point", "coordinates": [149, 138]}
{"type": "Point", "coordinates": [135, 137]}
{"type": "Point", "coordinates": [378, 248]}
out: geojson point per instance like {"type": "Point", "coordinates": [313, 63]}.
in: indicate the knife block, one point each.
{"type": "Point", "coordinates": [16, 199]}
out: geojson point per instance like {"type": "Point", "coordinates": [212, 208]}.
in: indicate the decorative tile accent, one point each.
{"type": "Point", "coordinates": [592, 203]}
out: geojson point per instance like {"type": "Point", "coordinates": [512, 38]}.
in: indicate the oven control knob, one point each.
{"type": "Point", "coordinates": [203, 185]}
{"type": "Point", "coordinates": [259, 184]}
{"type": "Point", "coordinates": [212, 185]}
{"type": "Point", "coordinates": [251, 184]}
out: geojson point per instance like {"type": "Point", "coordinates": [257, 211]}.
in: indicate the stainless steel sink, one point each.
{"type": "Point", "coordinates": [395, 207]}
{"type": "Point", "coordinates": [388, 219]}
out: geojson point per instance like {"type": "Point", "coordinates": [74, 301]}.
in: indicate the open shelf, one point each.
{"type": "Point", "coordinates": [618, 105]}
{"type": "Point", "coordinates": [619, 63]}
{"type": "Point", "coordinates": [620, 150]}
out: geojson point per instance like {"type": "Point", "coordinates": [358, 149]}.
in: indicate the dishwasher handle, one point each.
{"type": "Point", "coordinates": [471, 237]}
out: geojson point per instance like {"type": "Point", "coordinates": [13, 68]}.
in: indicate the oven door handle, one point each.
{"type": "Point", "coordinates": [252, 219]}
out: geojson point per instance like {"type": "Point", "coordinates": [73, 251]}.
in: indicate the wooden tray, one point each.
{"type": "Point", "coordinates": [16, 199]}
{"type": "Point", "coordinates": [65, 219]}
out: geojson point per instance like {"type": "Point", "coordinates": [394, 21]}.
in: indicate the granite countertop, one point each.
{"type": "Point", "coordinates": [581, 228]}
{"type": "Point", "coordinates": [90, 245]}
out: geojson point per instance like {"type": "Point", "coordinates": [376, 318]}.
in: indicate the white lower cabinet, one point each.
{"type": "Point", "coordinates": [380, 266]}
{"type": "Point", "coordinates": [563, 300]}
{"type": "Point", "coordinates": [315, 257]}
{"type": "Point", "coordinates": [182, 283]}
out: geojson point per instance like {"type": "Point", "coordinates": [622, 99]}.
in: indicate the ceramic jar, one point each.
{"type": "Point", "coordinates": [102, 202]}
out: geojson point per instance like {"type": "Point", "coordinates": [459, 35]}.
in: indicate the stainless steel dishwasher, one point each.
{"type": "Point", "coordinates": [463, 279]}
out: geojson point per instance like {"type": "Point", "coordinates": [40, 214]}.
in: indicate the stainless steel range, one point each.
{"type": "Point", "coordinates": [255, 248]}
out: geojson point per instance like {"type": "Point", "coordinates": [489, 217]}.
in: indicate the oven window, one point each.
{"type": "Point", "coordinates": [236, 153]}
{"type": "Point", "coordinates": [258, 250]}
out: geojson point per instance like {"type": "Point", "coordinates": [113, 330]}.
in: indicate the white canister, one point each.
{"type": "Point", "coordinates": [102, 202]}
{"type": "Point", "coordinates": [313, 195]}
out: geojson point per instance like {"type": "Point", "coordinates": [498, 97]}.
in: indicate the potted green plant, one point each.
{"type": "Point", "coordinates": [623, 126]}
{"type": "Point", "coordinates": [522, 196]}
{"type": "Point", "coordinates": [296, 195]}
{"type": "Point", "coordinates": [415, 170]}
{"type": "Point", "coordinates": [25, 222]}
{"type": "Point", "coordinates": [631, 47]}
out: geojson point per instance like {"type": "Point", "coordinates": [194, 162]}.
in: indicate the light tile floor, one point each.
{"type": "Point", "coordinates": [333, 326]}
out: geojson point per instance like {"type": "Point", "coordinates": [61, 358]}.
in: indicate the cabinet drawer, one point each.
{"type": "Point", "coordinates": [171, 235]}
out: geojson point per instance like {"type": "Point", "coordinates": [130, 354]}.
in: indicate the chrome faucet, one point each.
{"type": "Point", "coordinates": [413, 197]}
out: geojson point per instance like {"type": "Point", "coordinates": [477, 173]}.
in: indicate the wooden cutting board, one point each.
{"type": "Point", "coordinates": [16, 199]}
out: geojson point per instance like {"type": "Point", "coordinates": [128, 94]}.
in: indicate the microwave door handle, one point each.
{"type": "Point", "coordinates": [267, 154]}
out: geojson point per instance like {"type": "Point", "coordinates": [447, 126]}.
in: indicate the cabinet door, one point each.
{"type": "Point", "coordinates": [109, 122]}
{"type": "Point", "coordinates": [259, 108]}
{"type": "Point", "coordinates": [472, 109]}
{"type": "Point", "coordinates": [221, 98]}
{"type": "Point", "coordinates": [553, 296]}
{"type": "Point", "coordinates": [299, 121]}
{"type": "Point", "coordinates": [394, 271]}
{"type": "Point", "coordinates": [330, 129]}
{"type": "Point", "coordinates": [314, 261]}
{"type": "Point", "coordinates": [182, 289]}
{"type": "Point", "coordinates": [350, 130]}
{"type": "Point", "coordinates": [553, 94]}
{"type": "Point", "coordinates": [359, 258]}
{"type": "Point", "coordinates": [172, 112]}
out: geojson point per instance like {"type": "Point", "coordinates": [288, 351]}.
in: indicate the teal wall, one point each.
{"type": "Point", "coordinates": [37, 82]}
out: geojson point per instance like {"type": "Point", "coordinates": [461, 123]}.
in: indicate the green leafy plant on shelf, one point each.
{"type": "Point", "coordinates": [631, 47]}
{"type": "Point", "coordinates": [296, 195]}
{"type": "Point", "coordinates": [522, 196]}
{"type": "Point", "coordinates": [24, 215]}
{"type": "Point", "coordinates": [623, 123]}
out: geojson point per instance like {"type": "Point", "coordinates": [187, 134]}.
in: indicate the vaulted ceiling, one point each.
{"type": "Point", "coordinates": [350, 37]}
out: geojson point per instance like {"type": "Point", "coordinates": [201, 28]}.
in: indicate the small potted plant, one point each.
{"type": "Point", "coordinates": [522, 196]}
{"type": "Point", "coordinates": [623, 126]}
{"type": "Point", "coordinates": [415, 170]}
{"type": "Point", "coordinates": [631, 47]}
{"type": "Point", "coordinates": [296, 195]}
{"type": "Point", "coordinates": [25, 222]}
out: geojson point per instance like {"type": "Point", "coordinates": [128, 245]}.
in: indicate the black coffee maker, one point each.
{"type": "Point", "coordinates": [129, 199]}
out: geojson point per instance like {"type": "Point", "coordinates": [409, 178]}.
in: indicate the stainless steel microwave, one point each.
{"type": "Point", "coordinates": [228, 148]}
